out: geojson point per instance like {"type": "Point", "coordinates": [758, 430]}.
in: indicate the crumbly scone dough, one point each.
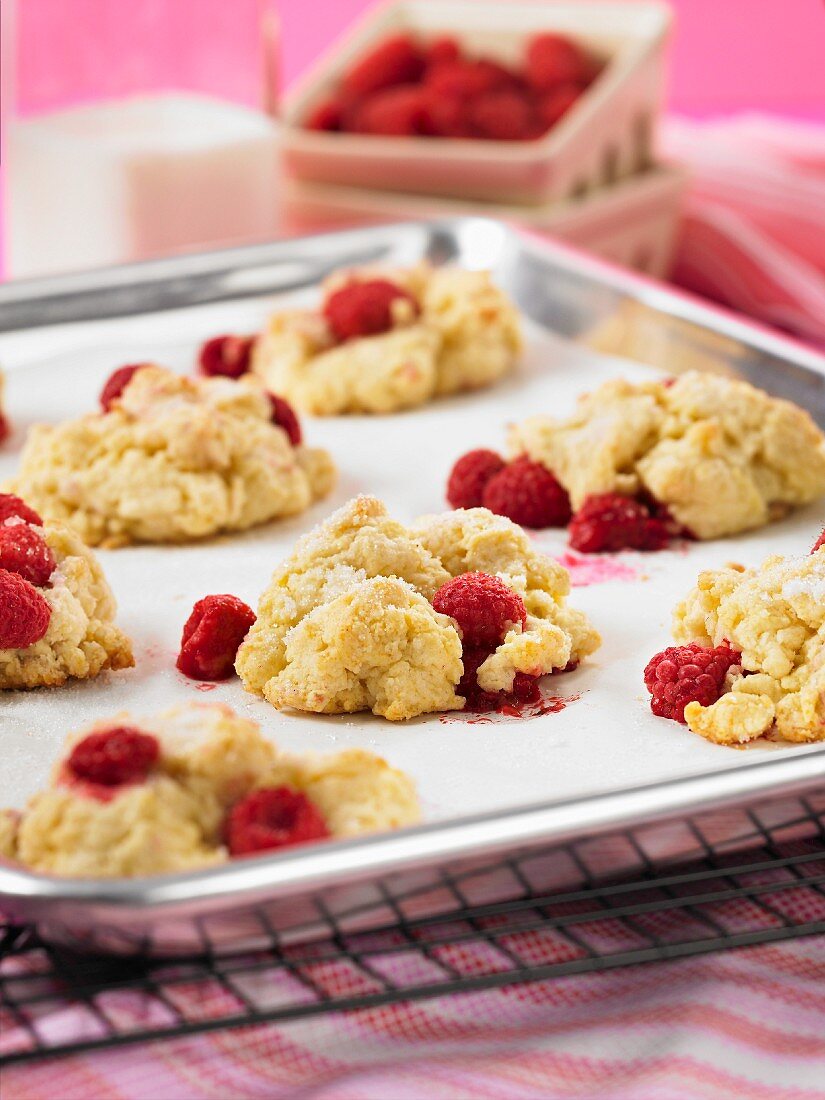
{"type": "Point", "coordinates": [466, 337]}
{"type": "Point", "coordinates": [175, 459]}
{"type": "Point", "coordinates": [347, 624]}
{"type": "Point", "coordinates": [82, 639]}
{"type": "Point", "coordinates": [775, 615]}
{"type": "Point", "coordinates": [722, 455]}
{"type": "Point", "coordinates": [173, 820]}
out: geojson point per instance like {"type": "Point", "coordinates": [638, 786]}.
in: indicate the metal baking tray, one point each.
{"type": "Point", "coordinates": [583, 310]}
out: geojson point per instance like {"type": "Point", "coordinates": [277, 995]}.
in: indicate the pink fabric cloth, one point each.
{"type": "Point", "coordinates": [753, 236]}
{"type": "Point", "coordinates": [745, 1025]}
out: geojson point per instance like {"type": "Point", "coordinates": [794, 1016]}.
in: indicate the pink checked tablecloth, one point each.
{"type": "Point", "coordinates": [745, 1025]}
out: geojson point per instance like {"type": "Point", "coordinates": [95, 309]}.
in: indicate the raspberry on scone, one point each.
{"type": "Point", "coordinates": [191, 788]}
{"type": "Point", "coordinates": [687, 674]}
{"type": "Point", "coordinates": [56, 609]}
{"type": "Point", "coordinates": [390, 339]}
{"type": "Point", "coordinates": [528, 494]}
{"type": "Point", "coordinates": [748, 658]}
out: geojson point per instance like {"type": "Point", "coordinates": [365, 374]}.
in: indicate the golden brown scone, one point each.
{"type": "Point", "coordinates": [82, 639]}
{"type": "Point", "coordinates": [722, 455]}
{"type": "Point", "coordinates": [175, 459]}
{"type": "Point", "coordinates": [173, 819]}
{"type": "Point", "coordinates": [775, 615]}
{"type": "Point", "coordinates": [466, 336]}
{"type": "Point", "coordinates": [347, 624]}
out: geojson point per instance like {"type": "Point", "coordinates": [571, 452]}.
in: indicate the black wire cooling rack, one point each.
{"type": "Point", "coordinates": [733, 888]}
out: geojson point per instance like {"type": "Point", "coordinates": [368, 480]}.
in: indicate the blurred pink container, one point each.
{"type": "Point", "coordinates": [606, 135]}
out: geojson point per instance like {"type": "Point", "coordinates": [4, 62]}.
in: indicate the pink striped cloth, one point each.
{"type": "Point", "coordinates": [753, 236]}
{"type": "Point", "coordinates": [745, 1025]}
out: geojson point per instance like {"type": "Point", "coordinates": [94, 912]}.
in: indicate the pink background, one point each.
{"type": "Point", "coordinates": [726, 54]}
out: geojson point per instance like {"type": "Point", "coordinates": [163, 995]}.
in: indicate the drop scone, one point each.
{"type": "Point", "coordinates": [171, 459]}
{"type": "Point", "coordinates": [56, 610]}
{"type": "Point", "coordinates": [368, 614]}
{"type": "Point", "coordinates": [192, 787]}
{"type": "Point", "coordinates": [639, 463]}
{"type": "Point", "coordinates": [390, 339]}
{"type": "Point", "coordinates": [751, 654]}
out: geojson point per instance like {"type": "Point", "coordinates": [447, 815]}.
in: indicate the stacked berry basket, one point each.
{"type": "Point", "coordinates": [543, 115]}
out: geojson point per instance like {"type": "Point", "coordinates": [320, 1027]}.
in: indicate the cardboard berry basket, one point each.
{"type": "Point", "coordinates": [606, 135]}
{"type": "Point", "coordinates": [597, 764]}
{"type": "Point", "coordinates": [633, 222]}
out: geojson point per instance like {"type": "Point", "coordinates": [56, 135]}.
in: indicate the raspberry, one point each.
{"type": "Point", "coordinates": [211, 637]}
{"type": "Point", "coordinates": [552, 106]}
{"type": "Point", "coordinates": [442, 50]}
{"type": "Point", "coordinates": [284, 416]}
{"type": "Point", "coordinates": [326, 115]}
{"type": "Point", "coordinates": [483, 606]}
{"type": "Point", "coordinates": [24, 613]}
{"type": "Point", "coordinates": [609, 521]}
{"type": "Point", "coordinates": [685, 674]}
{"type": "Point", "coordinates": [116, 383]}
{"type": "Point", "coordinates": [819, 542]}
{"type": "Point", "coordinates": [553, 60]}
{"type": "Point", "coordinates": [25, 552]}
{"type": "Point", "coordinates": [468, 79]}
{"type": "Point", "coordinates": [502, 115]}
{"type": "Point", "coordinates": [527, 493]}
{"type": "Point", "coordinates": [12, 506]}
{"type": "Point", "coordinates": [396, 60]}
{"type": "Point", "coordinates": [469, 476]}
{"type": "Point", "coordinates": [364, 309]}
{"type": "Point", "coordinates": [226, 355]}
{"type": "Point", "coordinates": [525, 688]}
{"type": "Point", "coordinates": [274, 817]}
{"type": "Point", "coordinates": [118, 755]}
{"type": "Point", "coordinates": [446, 115]}
{"type": "Point", "coordinates": [394, 112]}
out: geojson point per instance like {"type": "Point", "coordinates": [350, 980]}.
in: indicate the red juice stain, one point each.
{"type": "Point", "coordinates": [85, 788]}
{"type": "Point", "coordinates": [205, 686]}
{"type": "Point", "coordinates": [509, 708]}
{"type": "Point", "coordinates": [595, 569]}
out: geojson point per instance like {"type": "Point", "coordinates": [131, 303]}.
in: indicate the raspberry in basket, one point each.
{"type": "Point", "coordinates": [365, 309]}
{"type": "Point", "coordinates": [528, 494]}
{"type": "Point", "coordinates": [274, 817]}
{"type": "Point", "coordinates": [212, 635]}
{"type": "Point", "coordinates": [610, 522]}
{"type": "Point", "coordinates": [24, 613]}
{"type": "Point", "coordinates": [396, 60]}
{"type": "Point", "coordinates": [552, 106]}
{"type": "Point", "coordinates": [12, 507]}
{"type": "Point", "coordinates": [470, 474]}
{"type": "Point", "coordinates": [394, 112]}
{"type": "Point", "coordinates": [326, 115]}
{"type": "Point", "coordinates": [285, 417]}
{"type": "Point", "coordinates": [482, 605]}
{"type": "Point", "coordinates": [552, 60]}
{"type": "Point", "coordinates": [685, 674]}
{"type": "Point", "coordinates": [819, 542]}
{"type": "Point", "coordinates": [116, 383]}
{"type": "Point", "coordinates": [118, 755]}
{"type": "Point", "coordinates": [228, 356]}
{"type": "Point", "coordinates": [25, 552]}
{"type": "Point", "coordinates": [505, 115]}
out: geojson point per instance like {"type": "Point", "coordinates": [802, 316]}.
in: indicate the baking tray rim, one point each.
{"type": "Point", "coordinates": [30, 895]}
